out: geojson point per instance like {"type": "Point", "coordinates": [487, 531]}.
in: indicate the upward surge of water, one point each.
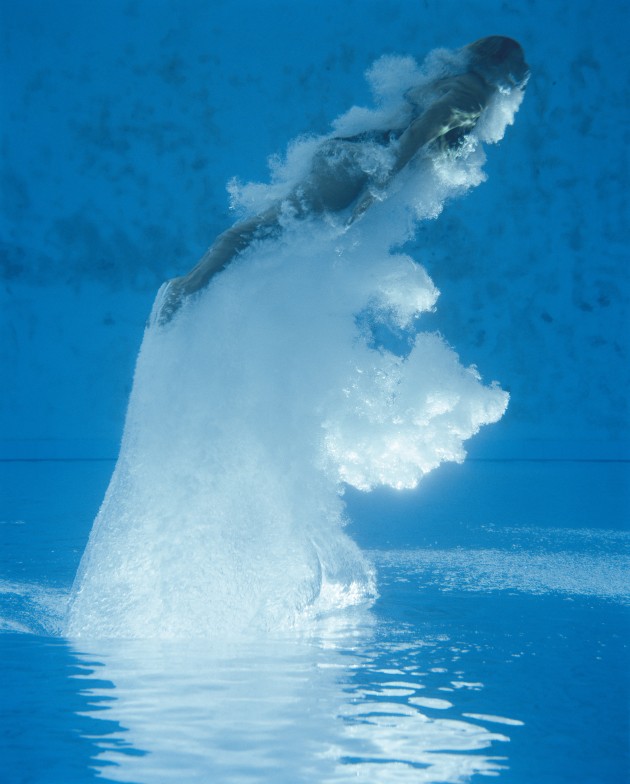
{"type": "Point", "coordinates": [269, 391]}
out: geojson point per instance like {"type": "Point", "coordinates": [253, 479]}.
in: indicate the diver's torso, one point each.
{"type": "Point", "coordinates": [343, 167]}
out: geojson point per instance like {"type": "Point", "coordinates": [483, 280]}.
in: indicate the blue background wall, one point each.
{"type": "Point", "coordinates": [122, 121]}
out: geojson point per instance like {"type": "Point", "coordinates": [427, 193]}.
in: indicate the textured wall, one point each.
{"type": "Point", "coordinates": [123, 121]}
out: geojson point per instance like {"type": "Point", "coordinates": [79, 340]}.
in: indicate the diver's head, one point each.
{"type": "Point", "coordinates": [498, 60]}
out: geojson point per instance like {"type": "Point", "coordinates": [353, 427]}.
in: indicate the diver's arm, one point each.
{"type": "Point", "coordinates": [423, 130]}
{"type": "Point", "coordinates": [222, 251]}
{"type": "Point", "coordinates": [220, 254]}
{"type": "Point", "coordinates": [460, 106]}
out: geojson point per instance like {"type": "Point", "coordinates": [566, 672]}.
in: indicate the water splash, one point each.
{"type": "Point", "coordinates": [268, 392]}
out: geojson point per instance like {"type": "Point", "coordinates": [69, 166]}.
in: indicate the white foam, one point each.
{"type": "Point", "coordinates": [603, 576]}
{"type": "Point", "coordinates": [32, 608]}
{"type": "Point", "coordinates": [267, 393]}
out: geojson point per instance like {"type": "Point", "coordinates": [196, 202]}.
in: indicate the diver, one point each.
{"type": "Point", "coordinates": [337, 181]}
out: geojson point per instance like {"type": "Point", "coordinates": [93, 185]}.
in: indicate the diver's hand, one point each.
{"type": "Point", "coordinates": [169, 300]}
{"type": "Point", "coordinates": [362, 207]}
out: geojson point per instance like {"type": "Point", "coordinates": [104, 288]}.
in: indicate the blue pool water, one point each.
{"type": "Point", "coordinates": [293, 572]}
{"type": "Point", "coordinates": [499, 644]}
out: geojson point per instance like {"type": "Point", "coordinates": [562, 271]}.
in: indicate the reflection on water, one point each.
{"type": "Point", "coordinates": [349, 701]}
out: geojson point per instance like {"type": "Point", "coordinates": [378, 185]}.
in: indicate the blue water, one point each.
{"type": "Point", "coordinates": [499, 642]}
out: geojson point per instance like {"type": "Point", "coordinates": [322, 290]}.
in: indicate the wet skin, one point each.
{"type": "Point", "coordinates": [336, 181]}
